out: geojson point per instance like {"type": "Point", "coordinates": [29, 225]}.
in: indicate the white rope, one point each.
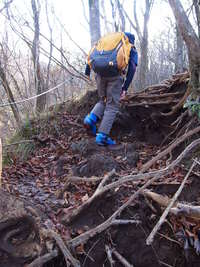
{"type": "Point", "coordinates": [33, 97]}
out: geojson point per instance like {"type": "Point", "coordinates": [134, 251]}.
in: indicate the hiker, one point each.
{"type": "Point", "coordinates": [109, 59]}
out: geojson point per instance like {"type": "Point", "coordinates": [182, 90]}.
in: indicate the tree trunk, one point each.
{"type": "Point", "coordinates": [143, 66]}
{"type": "Point", "coordinates": [10, 96]}
{"type": "Point", "coordinates": [197, 11]}
{"type": "Point", "coordinates": [41, 100]}
{"type": "Point", "coordinates": [179, 64]}
{"type": "Point", "coordinates": [19, 233]}
{"type": "Point", "coordinates": [192, 42]}
{"type": "Point", "coordinates": [95, 31]}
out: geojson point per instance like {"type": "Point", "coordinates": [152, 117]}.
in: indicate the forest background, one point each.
{"type": "Point", "coordinates": [44, 45]}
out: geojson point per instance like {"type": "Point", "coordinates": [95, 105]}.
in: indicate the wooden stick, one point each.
{"type": "Point", "coordinates": [97, 193]}
{"type": "Point", "coordinates": [40, 261]}
{"type": "Point", "coordinates": [150, 238]}
{"type": "Point", "coordinates": [101, 190]}
{"type": "Point", "coordinates": [123, 261]}
{"type": "Point", "coordinates": [83, 238]}
{"type": "Point", "coordinates": [109, 255]}
{"type": "Point", "coordinates": [67, 254]}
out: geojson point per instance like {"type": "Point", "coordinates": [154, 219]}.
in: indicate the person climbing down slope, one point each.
{"type": "Point", "coordinates": [109, 59]}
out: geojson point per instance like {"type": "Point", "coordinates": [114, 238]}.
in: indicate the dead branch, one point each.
{"type": "Point", "coordinates": [97, 193]}
{"type": "Point", "coordinates": [109, 255]}
{"type": "Point", "coordinates": [83, 238]}
{"type": "Point", "coordinates": [40, 261]}
{"type": "Point", "coordinates": [178, 141]}
{"type": "Point", "coordinates": [67, 254]}
{"type": "Point", "coordinates": [123, 261]}
{"type": "Point", "coordinates": [74, 179]}
{"type": "Point", "coordinates": [150, 238]}
{"type": "Point", "coordinates": [122, 180]}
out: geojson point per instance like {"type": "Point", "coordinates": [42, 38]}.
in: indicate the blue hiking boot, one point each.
{"type": "Point", "coordinates": [104, 140]}
{"type": "Point", "coordinates": [90, 123]}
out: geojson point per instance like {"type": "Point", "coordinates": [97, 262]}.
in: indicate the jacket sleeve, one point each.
{"type": "Point", "coordinates": [133, 61]}
{"type": "Point", "coordinates": [87, 70]}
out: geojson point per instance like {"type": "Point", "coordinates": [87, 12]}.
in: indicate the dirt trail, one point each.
{"type": "Point", "coordinates": [67, 151]}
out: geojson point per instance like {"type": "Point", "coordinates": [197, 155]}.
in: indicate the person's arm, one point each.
{"type": "Point", "coordinates": [87, 70]}
{"type": "Point", "coordinates": [131, 69]}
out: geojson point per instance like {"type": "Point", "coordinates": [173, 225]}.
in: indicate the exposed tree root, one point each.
{"type": "Point", "coordinates": [168, 150]}
{"type": "Point", "coordinates": [180, 103]}
{"type": "Point", "coordinates": [178, 208]}
{"type": "Point", "coordinates": [83, 238]}
{"type": "Point", "coordinates": [150, 238]}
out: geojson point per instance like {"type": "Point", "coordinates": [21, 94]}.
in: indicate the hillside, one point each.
{"type": "Point", "coordinates": [73, 201]}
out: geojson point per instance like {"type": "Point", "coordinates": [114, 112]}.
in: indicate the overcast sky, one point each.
{"type": "Point", "coordinates": [70, 13]}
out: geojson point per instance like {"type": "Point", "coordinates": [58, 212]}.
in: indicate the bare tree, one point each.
{"type": "Point", "coordinates": [192, 42]}
{"type": "Point", "coordinates": [10, 95]}
{"type": "Point", "coordinates": [94, 21]}
{"type": "Point", "coordinates": [143, 39]}
{"type": "Point", "coordinates": [179, 57]}
{"type": "Point", "coordinates": [6, 5]}
{"type": "Point", "coordinates": [197, 12]}
{"type": "Point", "coordinates": [41, 101]}
{"type": "Point", "coordinates": [143, 67]}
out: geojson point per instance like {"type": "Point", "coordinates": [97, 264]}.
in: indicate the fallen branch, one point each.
{"type": "Point", "coordinates": [83, 238]}
{"type": "Point", "coordinates": [123, 261]}
{"type": "Point", "coordinates": [40, 261]}
{"type": "Point", "coordinates": [109, 255]}
{"type": "Point", "coordinates": [67, 254]}
{"type": "Point", "coordinates": [101, 189]}
{"type": "Point", "coordinates": [97, 193]}
{"type": "Point", "coordinates": [76, 180]}
{"type": "Point", "coordinates": [150, 238]}
{"type": "Point", "coordinates": [177, 142]}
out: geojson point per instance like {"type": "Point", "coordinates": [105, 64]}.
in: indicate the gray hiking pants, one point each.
{"type": "Point", "coordinates": [109, 90]}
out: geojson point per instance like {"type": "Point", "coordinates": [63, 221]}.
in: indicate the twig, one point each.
{"type": "Point", "coordinates": [124, 222]}
{"type": "Point", "coordinates": [123, 261]}
{"type": "Point", "coordinates": [83, 238]}
{"type": "Point", "coordinates": [97, 193]}
{"type": "Point", "coordinates": [76, 180]}
{"type": "Point", "coordinates": [109, 255]}
{"type": "Point", "coordinates": [67, 254]}
{"type": "Point", "coordinates": [156, 174]}
{"type": "Point", "coordinates": [150, 238]}
{"type": "Point", "coordinates": [40, 261]}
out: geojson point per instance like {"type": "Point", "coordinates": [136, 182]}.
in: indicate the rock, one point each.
{"type": "Point", "coordinates": [97, 165]}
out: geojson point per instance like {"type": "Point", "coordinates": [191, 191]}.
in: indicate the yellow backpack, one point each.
{"type": "Point", "coordinates": [110, 55]}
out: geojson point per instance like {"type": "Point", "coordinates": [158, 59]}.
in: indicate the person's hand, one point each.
{"type": "Point", "coordinates": [123, 95]}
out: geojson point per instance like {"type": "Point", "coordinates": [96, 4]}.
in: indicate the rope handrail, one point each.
{"type": "Point", "coordinates": [33, 97]}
